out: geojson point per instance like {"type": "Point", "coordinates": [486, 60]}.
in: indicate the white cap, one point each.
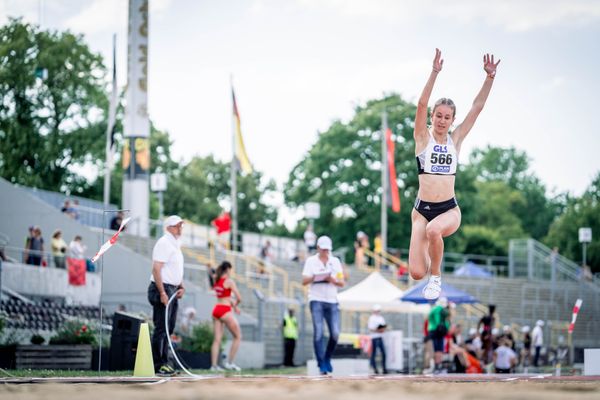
{"type": "Point", "coordinates": [377, 307]}
{"type": "Point", "coordinates": [442, 301]}
{"type": "Point", "coordinates": [324, 243]}
{"type": "Point", "coordinates": [172, 220]}
{"type": "Point", "coordinates": [539, 322]}
{"type": "Point", "coordinates": [189, 311]}
{"type": "Point", "coordinates": [506, 328]}
{"type": "Point", "coordinates": [495, 331]}
{"type": "Point", "coordinates": [472, 331]}
{"type": "Point", "coordinates": [525, 329]}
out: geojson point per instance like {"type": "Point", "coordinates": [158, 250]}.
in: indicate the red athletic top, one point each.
{"type": "Point", "coordinates": [220, 290]}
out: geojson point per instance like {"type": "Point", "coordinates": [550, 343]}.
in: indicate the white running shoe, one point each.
{"type": "Point", "coordinates": [432, 290]}
{"type": "Point", "coordinates": [216, 368]}
{"type": "Point", "coordinates": [232, 367]}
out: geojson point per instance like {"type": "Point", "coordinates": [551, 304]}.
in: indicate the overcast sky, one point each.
{"type": "Point", "coordinates": [300, 64]}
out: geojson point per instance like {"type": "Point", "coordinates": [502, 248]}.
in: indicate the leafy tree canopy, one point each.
{"type": "Point", "coordinates": [52, 102]}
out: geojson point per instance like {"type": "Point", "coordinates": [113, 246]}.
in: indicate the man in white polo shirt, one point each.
{"type": "Point", "coordinates": [166, 279]}
{"type": "Point", "coordinates": [324, 273]}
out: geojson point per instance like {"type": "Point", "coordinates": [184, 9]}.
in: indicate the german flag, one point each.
{"type": "Point", "coordinates": [239, 148]}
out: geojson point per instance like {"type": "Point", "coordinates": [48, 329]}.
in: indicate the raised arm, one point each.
{"type": "Point", "coordinates": [463, 129]}
{"type": "Point", "coordinates": [420, 132]}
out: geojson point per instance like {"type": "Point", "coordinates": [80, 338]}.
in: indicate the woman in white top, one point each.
{"type": "Point", "coordinates": [436, 214]}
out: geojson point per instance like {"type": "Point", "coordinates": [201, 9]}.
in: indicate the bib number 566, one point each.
{"type": "Point", "coordinates": [441, 158]}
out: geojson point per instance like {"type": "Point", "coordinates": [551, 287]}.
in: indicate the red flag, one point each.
{"type": "Point", "coordinates": [394, 194]}
{"type": "Point", "coordinates": [76, 271]}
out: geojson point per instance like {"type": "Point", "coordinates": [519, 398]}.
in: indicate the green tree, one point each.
{"type": "Point", "coordinates": [496, 222]}
{"type": "Point", "coordinates": [579, 212]}
{"type": "Point", "coordinates": [197, 190]}
{"type": "Point", "coordinates": [511, 166]}
{"type": "Point", "coordinates": [52, 92]}
{"type": "Point", "coordinates": [342, 172]}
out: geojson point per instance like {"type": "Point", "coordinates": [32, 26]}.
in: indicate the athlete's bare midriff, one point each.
{"type": "Point", "coordinates": [224, 300]}
{"type": "Point", "coordinates": [436, 188]}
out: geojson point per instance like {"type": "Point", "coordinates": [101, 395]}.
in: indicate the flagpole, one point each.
{"type": "Point", "coordinates": [233, 177]}
{"type": "Point", "coordinates": [384, 180]}
{"type": "Point", "coordinates": [110, 127]}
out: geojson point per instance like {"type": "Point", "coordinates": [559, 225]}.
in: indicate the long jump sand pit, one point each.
{"type": "Point", "coordinates": [296, 387]}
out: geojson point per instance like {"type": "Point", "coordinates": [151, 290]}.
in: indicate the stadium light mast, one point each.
{"type": "Point", "coordinates": [136, 149]}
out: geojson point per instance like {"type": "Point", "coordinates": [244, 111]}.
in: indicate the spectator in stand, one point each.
{"type": "Point", "coordinates": [66, 207]}
{"type": "Point", "coordinates": [537, 338]}
{"type": "Point", "coordinates": [310, 239]}
{"type": "Point", "coordinates": [504, 357]}
{"type": "Point", "coordinates": [115, 222]}
{"type": "Point", "coordinates": [360, 244]}
{"type": "Point", "coordinates": [223, 226]}
{"type": "Point", "coordinates": [266, 255]}
{"type": "Point", "coordinates": [77, 248]}
{"type": "Point", "coordinates": [27, 245]}
{"type": "Point", "coordinates": [377, 327]}
{"type": "Point", "coordinates": [35, 250]}
{"type": "Point", "coordinates": [526, 349]}
{"type": "Point", "coordinates": [74, 210]}
{"type": "Point", "coordinates": [59, 249]}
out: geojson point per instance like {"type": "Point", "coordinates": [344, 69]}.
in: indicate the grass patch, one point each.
{"type": "Point", "coordinates": [50, 373]}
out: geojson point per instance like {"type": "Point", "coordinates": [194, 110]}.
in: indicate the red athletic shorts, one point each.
{"type": "Point", "coordinates": [220, 310]}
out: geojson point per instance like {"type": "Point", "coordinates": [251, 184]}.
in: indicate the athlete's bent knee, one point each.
{"type": "Point", "coordinates": [433, 232]}
{"type": "Point", "coordinates": [417, 275]}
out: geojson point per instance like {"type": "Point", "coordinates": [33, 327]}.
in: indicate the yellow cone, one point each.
{"type": "Point", "coordinates": [144, 366]}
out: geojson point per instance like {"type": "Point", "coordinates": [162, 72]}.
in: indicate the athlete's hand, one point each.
{"type": "Point", "coordinates": [489, 66]}
{"type": "Point", "coordinates": [180, 292]}
{"type": "Point", "coordinates": [236, 309]}
{"type": "Point", "coordinates": [438, 62]}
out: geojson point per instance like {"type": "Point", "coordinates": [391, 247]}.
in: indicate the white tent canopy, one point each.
{"type": "Point", "coordinates": [375, 289]}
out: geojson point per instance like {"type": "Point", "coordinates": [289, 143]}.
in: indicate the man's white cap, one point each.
{"type": "Point", "coordinates": [506, 328]}
{"type": "Point", "coordinates": [525, 329]}
{"type": "Point", "coordinates": [172, 220]}
{"type": "Point", "coordinates": [442, 301]}
{"type": "Point", "coordinates": [539, 322]}
{"type": "Point", "coordinates": [324, 243]}
{"type": "Point", "coordinates": [472, 331]}
{"type": "Point", "coordinates": [495, 331]}
{"type": "Point", "coordinates": [377, 307]}
{"type": "Point", "coordinates": [189, 311]}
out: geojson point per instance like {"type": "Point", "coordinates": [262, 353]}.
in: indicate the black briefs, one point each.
{"type": "Point", "coordinates": [431, 210]}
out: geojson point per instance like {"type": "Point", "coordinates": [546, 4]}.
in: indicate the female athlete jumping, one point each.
{"type": "Point", "coordinates": [436, 214]}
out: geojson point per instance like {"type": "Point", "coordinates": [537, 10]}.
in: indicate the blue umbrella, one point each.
{"type": "Point", "coordinates": [415, 294]}
{"type": "Point", "coordinates": [472, 270]}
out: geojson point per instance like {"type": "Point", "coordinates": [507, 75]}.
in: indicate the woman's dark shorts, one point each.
{"type": "Point", "coordinates": [431, 210]}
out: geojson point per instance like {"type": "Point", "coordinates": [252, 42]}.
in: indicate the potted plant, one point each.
{"type": "Point", "coordinates": [70, 348]}
{"type": "Point", "coordinates": [195, 349]}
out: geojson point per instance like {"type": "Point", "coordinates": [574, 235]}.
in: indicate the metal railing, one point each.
{"type": "Point", "coordinates": [532, 260]}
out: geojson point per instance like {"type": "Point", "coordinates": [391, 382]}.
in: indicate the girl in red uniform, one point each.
{"type": "Point", "coordinates": [223, 316]}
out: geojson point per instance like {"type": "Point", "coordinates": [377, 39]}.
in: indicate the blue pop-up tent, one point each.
{"type": "Point", "coordinates": [415, 294]}
{"type": "Point", "coordinates": [472, 270]}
